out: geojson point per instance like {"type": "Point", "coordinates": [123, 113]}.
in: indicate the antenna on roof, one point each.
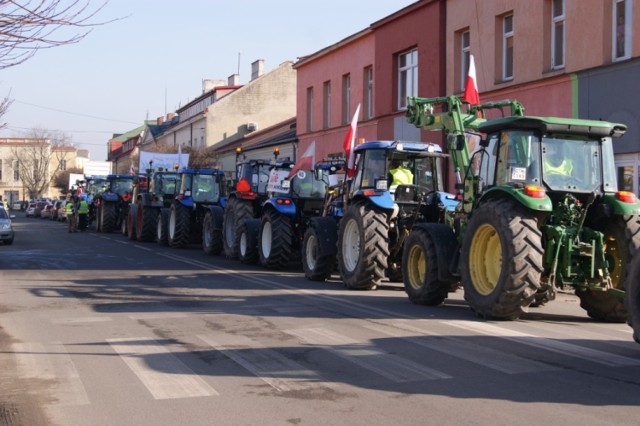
{"type": "Point", "coordinates": [238, 64]}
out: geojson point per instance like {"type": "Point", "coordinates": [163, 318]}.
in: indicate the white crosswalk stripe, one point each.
{"type": "Point", "coordinates": [391, 366]}
{"type": "Point", "coordinates": [169, 378]}
{"type": "Point", "coordinates": [278, 371]}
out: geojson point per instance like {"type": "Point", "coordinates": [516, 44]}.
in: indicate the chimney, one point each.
{"type": "Point", "coordinates": [159, 120]}
{"type": "Point", "coordinates": [233, 80]}
{"type": "Point", "coordinates": [257, 69]}
{"type": "Point", "coordinates": [170, 116]}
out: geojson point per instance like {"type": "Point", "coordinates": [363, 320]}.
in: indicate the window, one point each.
{"type": "Point", "coordinates": [557, 34]}
{"type": "Point", "coordinates": [621, 29]}
{"type": "Point", "coordinates": [407, 77]}
{"type": "Point", "coordinates": [310, 109]}
{"type": "Point", "coordinates": [326, 93]}
{"type": "Point", "coordinates": [0, 170]}
{"type": "Point", "coordinates": [16, 170]}
{"type": "Point", "coordinates": [346, 98]}
{"type": "Point", "coordinates": [63, 165]}
{"type": "Point", "coordinates": [368, 92]}
{"type": "Point", "coordinates": [465, 52]}
{"type": "Point", "coordinates": [507, 47]}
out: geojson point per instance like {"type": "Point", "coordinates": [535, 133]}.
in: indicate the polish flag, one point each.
{"type": "Point", "coordinates": [349, 144]}
{"type": "Point", "coordinates": [307, 161]}
{"type": "Point", "coordinates": [471, 94]}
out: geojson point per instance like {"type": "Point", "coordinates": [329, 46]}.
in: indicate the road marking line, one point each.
{"type": "Point", "coordinates": [80, 320]}
{"type": "Point", "coordinates": [459, 348]}
{"type": "Point", "coordinates": [393, 367]}
{"type": "Point", "coordinates": [563, 348]}
{"type": "Point", "coordinates": [51, 362]}
{"type": "Point", "coordinates": [164, 375]}
{"type": "Point", "coordinates": [278, 371]}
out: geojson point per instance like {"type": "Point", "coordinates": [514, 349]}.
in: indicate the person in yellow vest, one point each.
{"type": "Point", "coordinates": [400, 174]}
{"type": "Point", "coordinates": [555, 162]}
{"type": "Point", "coordinates": [71, 214]}
{"type": "Point", "coordinates": [83, 212]}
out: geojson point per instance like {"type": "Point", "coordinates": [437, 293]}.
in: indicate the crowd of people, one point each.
{"type": "Point", "coordinates": [77, 211]}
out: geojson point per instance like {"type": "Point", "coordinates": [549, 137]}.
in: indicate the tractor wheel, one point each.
{"type": "Point", "coordinates": [162, 228]}
{"type": "Point", "coordinates": [131, 222]}
{"type": "Point", "coordinates": [211, 235]}
{"type": "Point", "coordinates": [234, 216]}
{"type": "Point", "coordinates": [276, 240]}
{"type": "Point", "coordinates": [109, 217]}
{"type": "Point", "coordinates": [179, 226]}
{"type": "Point", "coordinates": [546, 293]}
{"type": "Point", "coordinates": [146, 222]}
{"type": "Point", "coordinates": [622, 239]}
{"type": "Point", "coordinates": [123, 227]}
{"type": "Point", "coordinates": [362, 246]}
{"type": "Point", "coordinates": [316, 267]}
{"type": "Point", "coordinates": [501, 260]}
{"type": "Point", "coordinates": [420, 266]}
{"type": "Point", "coordinates": [248, 241]}
{"type": "Point", "coordinates": [632, 296]}
{"type": "Point", "coordinates": [98, 218]}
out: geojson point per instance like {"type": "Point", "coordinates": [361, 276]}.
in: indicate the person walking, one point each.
{"type": "Point", "coordinates": [83, 213]}
{"type": "Point", "coordinates": [71, 215]}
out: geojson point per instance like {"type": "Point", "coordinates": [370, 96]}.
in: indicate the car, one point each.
{"type": "Point", "coordinates": [6, 229]}
{"type": "Point", "coordinates": [62, 213]}
{"type": "Point", "coordinates": [55, 212]}
{"type": "Point", "coordinates": [31, 210]}
{"type": "Point", "coordinates": [45, 213]}
{"type": "Point", "coordinates": [39, 206]}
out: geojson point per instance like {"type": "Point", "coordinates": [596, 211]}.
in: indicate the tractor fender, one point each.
{"type": "Point", "coordinates": [216, 215]}
{"type": "Point", "coordinates": [620, 207]}
{"type": "Point", "coordinates": [538, 204]}
{"type": "Point", "coordinates": [327, 232]}
{"type": "Point", "coordinates": [446, 248]}
{"type": "Point", "coordinates": [223, 201]}
{"type": "Point", "coordinates": [277, 203]}
{"type": "Point", "coordinates": [110, 196]}
{"type": "Point", "coordinates": [186, 201]}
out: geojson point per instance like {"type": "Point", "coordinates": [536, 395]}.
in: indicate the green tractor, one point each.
{"type": "Point", "coordinates": [541, 211]}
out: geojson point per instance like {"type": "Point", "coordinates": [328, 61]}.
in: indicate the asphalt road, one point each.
{"type": "Point", "coordinates": [99, 330]}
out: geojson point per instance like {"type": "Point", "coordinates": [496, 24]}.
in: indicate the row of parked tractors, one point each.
{"type": "Point", "coordinates": [521, 225]}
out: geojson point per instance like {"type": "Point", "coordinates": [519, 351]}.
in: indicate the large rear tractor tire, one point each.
{"type": "Point", "coordinates": [622, 239]}
{"type": "Point", "coordinates": [501, 260]}
{"type": "Point", "coordinates": [146, 222]}
{"type": "Point", "coordinates": [362, 246]}
{"type": "Point", "coordinates": [275, 240]}
{"type": "Point", "coordinates": [109, 217]}
{"type": "Point", "coordinates": [632, 296]}
{"type": "Point", "coordinates": [130, 222]}
{"type": "Point", "coordinates": [316, 267]}
{"type": "Point", "coordinates": [248, 241]}
{"type": "Point", "coordinates": [212, 234]}
{"type": "Point", "coordinates": [162, 229]}
{"type": "Point", "coordinates": [420, 267]}
{"type": "Point", "coordinates": [179, 226]}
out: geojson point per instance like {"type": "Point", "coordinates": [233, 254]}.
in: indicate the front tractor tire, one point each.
{"type": "Point", "coordinates": [162, 229]}
{"type": "Point", "coordinates": [108, 217]}
{"type": "Point", "coordinates": [420, 267]}
{"type": "Point", "coordinates": [317, 266]}
{"type": "Point", "coordinates": [275, 240]}
{"type": "Point", "coordinates": [236, 212]}
{"type": "Point", "coordinates": [146, 222]}
{"type": "Point", "coordinates": [632, 296]}
{"type": "Point", "coordinates": [363, 247]}
{"type": "Point", "coordinates": [622, 239]}
{"type": "Point", "coordinates": [248, 241]}
{"type": "Point", "coordinates": [501, 260]}
{"type": "Point", "coordinates": [212, 232]}
{"type": "Point", "coordinates": [179, 226]}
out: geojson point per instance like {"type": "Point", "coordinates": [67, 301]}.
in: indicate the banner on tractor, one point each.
{"type": "Point", "coordinates": [162, 160]}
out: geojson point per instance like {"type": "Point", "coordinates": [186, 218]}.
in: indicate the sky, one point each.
{"type": "Point", "coordinates": [153, 58]}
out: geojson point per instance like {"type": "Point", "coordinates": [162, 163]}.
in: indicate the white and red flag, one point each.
{"type": "Point", "coordinates": [349, 144]}
{"type": "Point", "coordinates": [307, 161]}
{"type": "Point", "coordinates": [471, 94]}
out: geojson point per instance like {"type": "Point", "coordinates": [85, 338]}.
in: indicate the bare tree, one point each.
{"type": "Point", "coordinates": [27, 26]}
{"type": "Point", "coordinates": [61, 179]}
{"type": "Point", "coordinates": [39, 158]}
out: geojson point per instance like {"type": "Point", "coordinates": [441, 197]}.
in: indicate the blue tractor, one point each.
{"type": "Point", "coordinates": [367, 218]}
{"type": "Point", "coordinates": [112, 203]}
{"type": "Point", "coordinates": [195, 215]}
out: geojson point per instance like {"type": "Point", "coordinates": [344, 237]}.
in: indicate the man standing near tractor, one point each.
{"type": "Point", "coordinates": [71, 215]}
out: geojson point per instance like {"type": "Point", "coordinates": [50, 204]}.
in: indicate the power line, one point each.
{"type": "Point", "coordinates": [73, 113]}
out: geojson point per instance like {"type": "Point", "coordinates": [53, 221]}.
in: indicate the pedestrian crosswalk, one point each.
{"type": "Point", "coordinates": [393, 351]}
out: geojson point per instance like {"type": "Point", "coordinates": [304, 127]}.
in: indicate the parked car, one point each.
{"type": "Point", "coordinates": [45, 213]}
{"type": "Point", "coordinates": [39, 206]}
{"type": "Point", "coordinates": [56, 209]}
{"type": "Point", "coordinates": [6, 229]}
{"type": "Point", "coordinates": [62, 213]}
{"type": "Point", "coordinates": [31, 210]}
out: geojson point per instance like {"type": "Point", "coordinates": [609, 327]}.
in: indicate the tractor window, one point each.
{"type": "Point", "coordinates": [428, 174]}
{"type": "Point", "coordinates": [122, 186]}
{"type": "Point", "coordinates": [205, 189]}
{"type": "Point", "coordinates": [518, 163]}
{"type": "Point", "coordinates": [609, 166]}
{"type": "Point", "coordinates": [304, 185]}
{"type": "Point", "coordinates": [371, 168]}
{"type": "Point", "coordinates": [571, 164]}
{"type": "Point", "coordinates": [165, 183]}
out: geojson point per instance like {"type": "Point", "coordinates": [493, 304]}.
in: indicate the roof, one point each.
{"type": "Point", "coordinates": [574, 126]}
